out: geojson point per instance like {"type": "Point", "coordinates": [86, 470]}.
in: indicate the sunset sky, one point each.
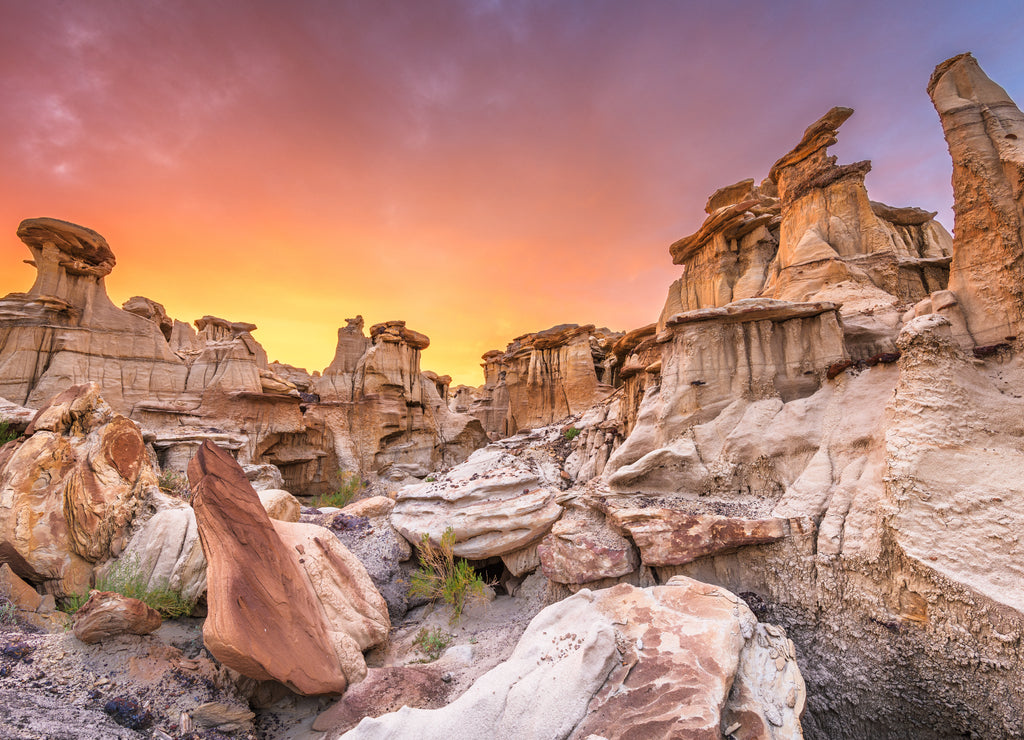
{"type": "Point", "coordinates": [480, 169]}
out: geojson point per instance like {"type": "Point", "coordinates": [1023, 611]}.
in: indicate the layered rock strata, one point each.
{"type": "Point", "coordinates": [497, 502]}
{"type": "Point", "coordinates": [379, 415]}
{"type": "Point", "coordinates": [810, 233]}
{"type": "Point", "coordinates": [541, 378]}
{"type": "Point", "coordinates": [382, 412]}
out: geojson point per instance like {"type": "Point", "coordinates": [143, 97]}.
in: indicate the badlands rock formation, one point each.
{"type": "Point", "coordinates": [372, 412]}
{"type": "Point", "coordinates": [541, 378]}
{"type": "Point", "coordinates": [829, 424]}
{"type": "Point", "coordinates": [985, 133]}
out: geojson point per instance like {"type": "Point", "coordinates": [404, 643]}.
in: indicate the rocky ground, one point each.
{"type": "Point", "coordinates": [166, 685]}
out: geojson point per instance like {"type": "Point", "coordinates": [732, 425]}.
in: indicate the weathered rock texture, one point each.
{"type": "Point", "coordinates": [541, 378]}
{"type": "Point", "coordinates": [680, 660]}
{"type": "Point", "coordinates": [985, 133]}
{"type": "Point", "coordinates": [382, 412]}
{"type": "Point", "coordinates": [496, 502]}
{"type": "Point", "coordinates": [301, 610]}
{"type": "Point", "coordinates": [107, 614]}
{"type": "Point", "coordinates": [70, 489]}
{"type": "Point", "coordinates": [810, 233]}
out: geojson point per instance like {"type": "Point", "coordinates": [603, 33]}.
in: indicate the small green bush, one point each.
{"type": "Point", "coordinates": [347, 487]}
{"type": "Point", "coordinates": [431, 643]}
{"type": "Point", "coordinates": [126, 578]}
{"type": "Point", "coordinates": [7, 433]}
{"type": "Point", "coordinates": [8, 609]}
{"type": "Point", "coordinates": [441, 576]}
{"type": "Point", "coordinates": [572, 433]}
{"type": "Point", "coordinates": [176, 484]}
{"type": "Point", "coordinates": [430, 479]}
{"type": "Point", "coordinates": [71, 603]}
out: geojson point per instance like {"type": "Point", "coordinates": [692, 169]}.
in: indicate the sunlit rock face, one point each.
{"type": "Point", "coordinates": [383, 412]}
{"type": "Point", "coordinates": [541, 378]}
{"type": "Point", "coordinates": [809, 233]}
{"type": "Point", "coordinates": [985, 132]}
{"type": "Point", "coordinates": [834, 428]}
{"type": "Point", "coordinates": [65, 331]}
{"type": "Point", "coordinates": [185, 385]}
{"type": "Point", "coordinates": [69, 490]}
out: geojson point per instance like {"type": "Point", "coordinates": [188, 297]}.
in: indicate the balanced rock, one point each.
{"type": "Point", "coordinates": [108, 614]}
{"type": "Point", "coordinates": [273, 588]}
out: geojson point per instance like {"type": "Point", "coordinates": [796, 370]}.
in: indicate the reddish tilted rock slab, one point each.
{"type": "Point", "coordinates": [263, 620]}
{"type": "Point", "coordinates": [668, 537]}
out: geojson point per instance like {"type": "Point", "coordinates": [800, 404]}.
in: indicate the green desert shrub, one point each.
{"type": "Point", "coordinates": [71, 603]}
{"type": "Point", "coordinates": [8, 609]}
{"type": "Point", "coordinates": [443, 576]}
{"type": "Point", "coordinates": [7, 433]}
{"type": "Point", "coordinates": [125, 577]}
{"type": "Point", "coordinates": [346, 487]}
{"type": "Point", "coordinates": [176, 484]}
{"type": "Point", "coordinates": [431, 643]}
{"type": "Point", "coordinates": [572, 433]}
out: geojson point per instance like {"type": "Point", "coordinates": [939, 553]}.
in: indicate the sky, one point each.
{"type": "Point", "coordinates": [478, 168]}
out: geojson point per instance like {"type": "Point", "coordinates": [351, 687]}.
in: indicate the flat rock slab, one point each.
{"type": "Point", "coordinates": [669, 537]}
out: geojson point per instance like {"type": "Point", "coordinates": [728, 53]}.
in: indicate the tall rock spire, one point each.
{"type": "Point", "coordinates": [984, 129]}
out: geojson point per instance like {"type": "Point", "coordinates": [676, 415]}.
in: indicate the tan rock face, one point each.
{"type": "Point", "coordinates": [985, 132]}
{"type": "Point", "coordinates": [107, 614]}
{"type": "Point", "coordinates": [302, 609]}
{"type": "Point", "coordinates": [69, 492]}
{"type": "Point", "coordinates": [383, 413]}
{"type": "Point", "coordinates": [214, 382]}
{"type": "Point", "coordinates": [810, 233]}
{"type": "Point", "coordinates": [541, 378]}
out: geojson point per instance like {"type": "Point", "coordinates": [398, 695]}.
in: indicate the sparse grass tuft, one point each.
{"type": "Point", "coordinates": [8, 609]}
{"type": "Point", "coordinates": [72, 603]}
{"type": "Point", "coordinates": [346, 488]}
{"type": "Point", "coordinates": [7, 433]}
{"type": "Point", "coordinates": [431, 643]}
{"type": "Point", "coordinates": [572, 433]}
{"type": "Point", "coordinates": [442, 576]}
{"type": "Point", "coordinates": [176, 484]}
{"type": "Point", "coordinates": [125, 577]}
